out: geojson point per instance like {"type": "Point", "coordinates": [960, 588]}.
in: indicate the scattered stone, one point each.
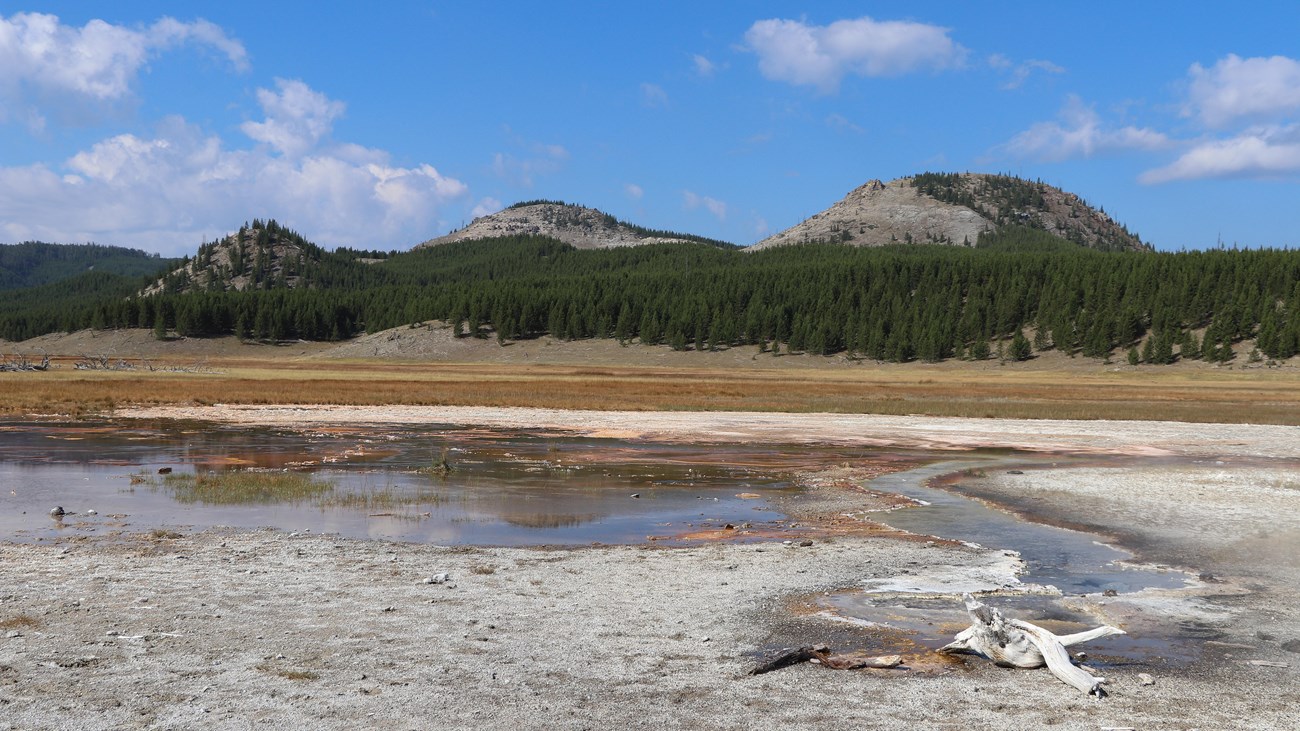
{"type": "Point", "coordinates": [1291, 645]}
{"type": "Point", "coordinates": [57, 511]}
{"type": "Point", "coordinates": [636, 495]}
{"type": "Point", "coordinates": [92, 511]}
{"type": "Point", "coordinates": [1015, 472]}
{"type": "Point", "coordinates": [1110, 592]}
{"type": "Point", "coordinates": [441, 578]}
{"type": "Point", "coordinates": [805, 544]}
{"type": "Point", "coordinates": [1146, 679]}
{"type": "Point", "coordinates": [164, 470]}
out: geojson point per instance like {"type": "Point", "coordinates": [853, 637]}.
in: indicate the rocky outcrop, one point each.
{"type": "Point", "coordinates": [260, 255]}
{"type": "Point", "coordinates": [954, 209]}
{"type": "Point", "coordinates": [578, 226]}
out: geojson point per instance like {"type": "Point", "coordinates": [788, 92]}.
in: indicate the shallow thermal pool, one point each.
{"type": "Point", "coordinates": [504, 488]}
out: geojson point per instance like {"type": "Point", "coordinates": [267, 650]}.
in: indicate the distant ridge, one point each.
{"type": "Point", "coordinates": [578, 226]}
{"type": "Point", "coordinates": [955, 209]}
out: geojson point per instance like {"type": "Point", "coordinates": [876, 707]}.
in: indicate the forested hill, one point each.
{"type": "Point", "coordinates": [956, 209]}
{"type": "Point", "coordinates": [34, 263]}
{"type": "Point", "coordinates": [1020, 288]}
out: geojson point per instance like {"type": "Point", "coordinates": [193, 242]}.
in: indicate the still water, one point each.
{"type": "Point", "coordinates": [504, 488]}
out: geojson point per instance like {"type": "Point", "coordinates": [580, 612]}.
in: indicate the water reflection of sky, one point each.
{"type": "Point", "coordinates": [505, 488]}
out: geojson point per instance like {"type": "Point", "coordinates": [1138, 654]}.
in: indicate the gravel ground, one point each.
{"type": "Point", "coordinates": [243, 629]}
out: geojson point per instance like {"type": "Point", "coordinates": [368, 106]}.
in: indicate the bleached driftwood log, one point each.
{"type": "Point", "coordinates": [1017, 644]}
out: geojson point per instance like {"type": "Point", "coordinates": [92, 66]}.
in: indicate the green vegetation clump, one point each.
{"type": "Point", "coordinates": [243, 487]}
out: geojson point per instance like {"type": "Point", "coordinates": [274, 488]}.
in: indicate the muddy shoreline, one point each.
{"type": "Point", "coordinates": [232, 629]}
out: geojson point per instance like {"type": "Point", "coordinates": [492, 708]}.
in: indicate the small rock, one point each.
{"type": "Point", "coordinates": [636, 495]}
{"type": "Point", "coordinates": [1146, 679]}
{"type": "Point", "coordinates": [1110, 592]}
{"type": "Point", "coordinates": [1015, 472]}
{"type": "Point", "coordinates": [1291, 645]}
{"type": "Point", "coordinates": [805, 544]}
{"type": "Point", "coordinates": [1081, 656]}
{"type": "Point", "coordinates": [92, 512]}
{"type": "Point", "coordinates": [57, 511]}
{"type": "Point", "coordinates": [707, 639]}
{"type": "Point", "coordinates": [164, 470]}
{"type": "Point", "coordinates": [441, 578]}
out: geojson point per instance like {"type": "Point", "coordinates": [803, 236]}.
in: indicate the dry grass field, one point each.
{"type": "Point", "coordinates": [1263, 396]}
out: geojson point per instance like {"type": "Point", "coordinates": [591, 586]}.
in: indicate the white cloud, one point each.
{"type": "Point", "coordinates": [1019, 73]}
{"type": "Point", "coordinates": [820, 56]}
{"type": "Point", "coordinates": [691, 201]}
{"type": "Point", "coordinates": [297, 117]}
{"type": "Point", "coordinates": [1243, 88]}
{"type": "Point", "coordinates": [486, 207]}
{"type": "Point", "coordinates": [634, 191]}
{"type": "Point", "coordinates": [703, 66]}
{"type": "Point", "coordinates": [45, 65]}
{"type": "Point", "coordinates": [840, 123]}
{"type": "Point", "coordinates": [537, 158]}
{"type": "Point", "coordinates": [169, 190]}
{"type": "Point", "coordinates": [1260, 152]}
{"type": "Point", "coordinates": [1079, 133]}
{"type": "Point", "coordinates": [653, 95]}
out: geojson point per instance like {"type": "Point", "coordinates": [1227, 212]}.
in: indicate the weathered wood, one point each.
{"type": "Point", "coordinates": [787, 657]}
{"type": "Point", "coordinates": [821, 655]}
{"type": "Point", "coordinates": [1018, 644]}
{"type": "Point", "coordinates": [859, 661]}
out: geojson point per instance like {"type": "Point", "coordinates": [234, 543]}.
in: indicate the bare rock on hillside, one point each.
{"type": "Point", "coordinates": [578, 226]}
{"type": "Point", "coordinates": [954, 209]}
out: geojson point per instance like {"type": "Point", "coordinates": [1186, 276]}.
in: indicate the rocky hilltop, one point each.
{"type": "Point", "coordinates": [261, 255]}
{"type": "Point", "coordinates": [954, 209]}
{"type": "Point", "coordinates": [578, 226]}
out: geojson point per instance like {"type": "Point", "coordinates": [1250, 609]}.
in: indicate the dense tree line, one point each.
{"type": "Point", "coordinates": [1017, 292]}
{"type": "Point", "coordinates": [34, 263]}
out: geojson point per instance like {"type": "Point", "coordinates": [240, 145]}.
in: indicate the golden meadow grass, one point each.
{"type": "Point", "coordinates": [1175, 394]}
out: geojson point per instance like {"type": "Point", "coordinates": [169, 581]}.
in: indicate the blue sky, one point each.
{"type": "Point", "coordinates": [161, 125]}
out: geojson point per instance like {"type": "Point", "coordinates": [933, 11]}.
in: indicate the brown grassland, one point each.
{"type": "Point", "coordinates": [1263, 396]}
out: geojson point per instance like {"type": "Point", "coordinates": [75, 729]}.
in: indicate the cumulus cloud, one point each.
{"type": "Point", "coordinates": [1079, 133]}
{"type": "Point", "coordinates": [486, 207]}
{"type": "Point", "coordinates": [1259, 152]}
{"type": "Point", "coordinates": [821, 55]}
{"type": "Point", "coordinates": [45, 64]}
{"type": "Point", "coordinates": [634, 191]}
{"type": "Point", "coordinates": [297, 117]}
{"type": "Point", "coordinates": [1238, 88]}
{"type": "Point", "coordinates": [692, 201]}
{"type": "Point", "coordinates": [166, 190]}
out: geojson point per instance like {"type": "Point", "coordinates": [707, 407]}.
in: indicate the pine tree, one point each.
{"type": "Point", "coordinates": [1020, 349]}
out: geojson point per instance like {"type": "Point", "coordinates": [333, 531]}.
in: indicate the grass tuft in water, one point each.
{"type": "Point", "coordinates": [244, 487]}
